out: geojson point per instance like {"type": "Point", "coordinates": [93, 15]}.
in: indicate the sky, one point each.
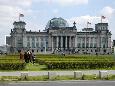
{"type": "Point", "coordinates": [38, 12]}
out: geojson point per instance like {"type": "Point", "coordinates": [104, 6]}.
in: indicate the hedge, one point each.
{"type": "Point", "coordinates": [79, 65]}
{"type": "Point", "coordinates": [76, 61]}
{"type": "Point", "coordinates": [12, 66]}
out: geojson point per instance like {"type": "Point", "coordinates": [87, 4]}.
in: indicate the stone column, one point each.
{"type": "Point", "coordinates": [66, 42]}
{"type": "Point", "coordinates": [57, 42]}
{"type": "Point", "coordinates": [85, 41]}
{"type": "Point", "coordinates": [49, 42]}
{"type": "Point", "coordinates": [52, 44]}
{"type": "Point", "coordinates": [23, 41]}
{"type": "Point", "coordinates": [101, 42]}
{"type": "Point", "coordinates": [39, 43]}
{"type": "Point", "coordinates": [70, 42]}
{"type": "Point", "coordinates": [61, 42]}
{"type": "Point", "coordinates": [109, 42]}
{"type": "Point", "coordinates": [15, 43]}
{"type": "Point", "coordinates": [75, 42]}
{"type": "Point", "coordinates": [35, 43]}
{"type": "Point", "coordinates": [89, 41]}
{"type": "Point", "coordinates": [92, 42]}
{"type": "Point", "coordinates": [81, 41]}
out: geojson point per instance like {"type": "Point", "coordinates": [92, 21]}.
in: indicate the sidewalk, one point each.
{"type": "Point", "coordinates": [41, 73]}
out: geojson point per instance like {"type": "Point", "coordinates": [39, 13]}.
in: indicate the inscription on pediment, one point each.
{"type": "Point", "coordinates": [63, 32]}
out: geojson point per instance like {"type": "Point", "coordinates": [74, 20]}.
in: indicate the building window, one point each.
{"type": "Point", "coordinates": [41, 38]}
{"type": "Point", "coordinates": [95, 39]}
{"type": "Point", "coordinates": [87, 39]}
{"type": "Point", "coordinates": [87, 45]}
{"type": "Point", "coordinates": [37, 39]}
{"type": "Point", "coordinates": [33, 38]}
{"type": "Point", "coordinates": [46, 44]}
{"type": "Point", "coordinates": [42, 44]}
{"type": "Point", "coordinates": [95, 45]}
{"type": "Point", "coordinates": [91, 45]}
{"type": "Point", "coordinates": [103, 45]}
{"type": "Point", "coordinates": [83, 39]}
{"type": "Point", "coordinates": [103, 40]}
{"type": "Point", "coordinates": [28, 38]}
{"type": "Point", "coordinates": [91, 39]}
{"type": "Point", "coordinates": [103, 28]}
{"type": "Point", "coordinates": [33, 44]}
{"type": "Point", "coordinates": [37, 44]}
{"type": "Point", "coordinates": [83, 45]}
{"type": "Point", "coordinates": [79, 45]}
{"type": "Point", "coordinates": [28, 44]}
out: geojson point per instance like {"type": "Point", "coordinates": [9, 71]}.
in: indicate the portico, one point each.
{"type": "Point", "coordinates": [62, 42]}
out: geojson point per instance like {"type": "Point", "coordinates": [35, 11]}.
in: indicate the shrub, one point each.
{"type": "Point", "coordinates": [12, 66]}
{"type": "Point", "coordinates": [78, 65]}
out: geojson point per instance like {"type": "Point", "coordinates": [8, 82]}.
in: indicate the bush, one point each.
{"type": "Point", "coordinates": [78, 65]}
{"type": "Point", "coordinates": [76, 61]}
{"type": "Point", "coordinates": [11, 62]}
{"type": "Point", "coordinates": [12, 66]}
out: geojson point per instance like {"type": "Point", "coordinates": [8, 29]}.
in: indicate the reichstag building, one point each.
{"type": "Point", "coordinates": [59, 37]}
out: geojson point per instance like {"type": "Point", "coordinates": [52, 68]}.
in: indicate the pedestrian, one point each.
{"type": "Point", "coordinates": [26, 57]}
{"type": "Point", "coordinates": [29, 55]}
{"type": "Point", "coordinates": [33, 56]}
{"type": "Point", "coordinates": [21, 55]}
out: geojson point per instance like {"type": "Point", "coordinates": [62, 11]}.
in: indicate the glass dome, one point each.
{"type": "Point", "coordinates": [57, 22]}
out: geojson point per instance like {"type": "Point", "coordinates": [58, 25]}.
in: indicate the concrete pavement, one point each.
{"type": "Point", "coordinates": [40, 73]}
{"type": "Point", "coordinates": [61, 83]}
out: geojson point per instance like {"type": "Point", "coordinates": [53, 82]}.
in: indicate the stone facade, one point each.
{"type": "Point", "coordinates": [59, 37]}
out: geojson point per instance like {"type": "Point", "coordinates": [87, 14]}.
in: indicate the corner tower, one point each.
{"type": "Point", "coordinates": [104, 37]}
{"type": "Point", "coordinates": [17, 36]}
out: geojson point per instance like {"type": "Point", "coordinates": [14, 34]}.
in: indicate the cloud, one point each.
{"type": "Point", "coordinates": [107, 11]}
{"type": "Point", "coordinates": [9, 12]}
{"type": "Point", "coordinates": [81, 21]}
{"type": "Point", "coordinates": [16, 2]}
{"type": "Point", "coordinates": [71, 2]}
{"type": "Point", "coordinates": [63, 2]}
{"type": "Point", "coordinates": [55, 12]}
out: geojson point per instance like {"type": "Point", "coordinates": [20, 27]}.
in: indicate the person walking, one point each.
{"type": "Point", "coordinates": [29, 55]}
{"type": "Point", "coordinates": [26, 57]}
{"type": "Point", "coordinates": [21, 55]}
{"type": "Point", "coordinates": [33, 56]}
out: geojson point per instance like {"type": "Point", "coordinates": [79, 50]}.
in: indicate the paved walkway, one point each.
{"type": "Point", "coordinates": [40, 73]}
{"type": "Point", "coordinates": [61, 83]}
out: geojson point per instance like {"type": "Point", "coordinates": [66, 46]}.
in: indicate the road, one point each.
{"type": "Point", "coordinates": [61, 83]}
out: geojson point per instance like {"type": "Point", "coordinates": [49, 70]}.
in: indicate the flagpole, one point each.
{"type": "Point", "coordinates": [101, 19]}
{"type": "Point", "coordinates": [87, 24]}
{"type": "Point", "coordinates": [19, 17]}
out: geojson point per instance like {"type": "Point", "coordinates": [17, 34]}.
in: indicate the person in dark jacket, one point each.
{"type": "Point", "coordinates": [26, 57]}
{"type": "Point", "coordinates": [33, 56]}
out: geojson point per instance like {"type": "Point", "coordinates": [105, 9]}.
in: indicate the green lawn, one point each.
{"type": "Point", "coordinates": [34, 67]}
